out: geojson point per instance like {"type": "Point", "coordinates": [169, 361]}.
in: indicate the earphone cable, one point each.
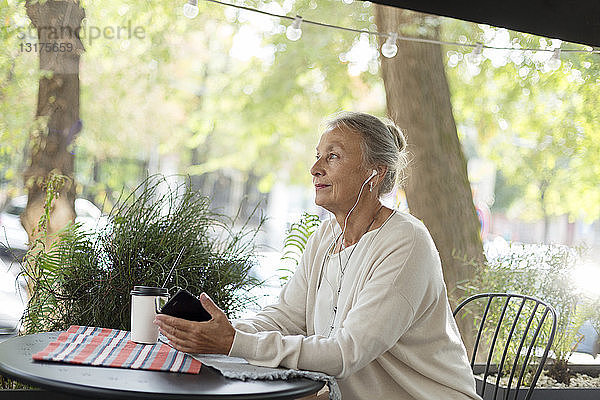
{"type": "Point", "coordinates": [354, 206]}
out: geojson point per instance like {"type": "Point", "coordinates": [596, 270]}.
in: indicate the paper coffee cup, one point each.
{"type": "Point", "coordinates": [145, 303]}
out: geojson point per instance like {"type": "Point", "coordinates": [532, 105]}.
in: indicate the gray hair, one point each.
{"type": "Point", "coordinates": [383, 143]}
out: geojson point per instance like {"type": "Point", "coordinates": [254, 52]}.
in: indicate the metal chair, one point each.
{"type": "Point", "coordinates": [522, 311]}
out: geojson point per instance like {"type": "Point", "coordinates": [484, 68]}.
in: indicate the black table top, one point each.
{"type": "Point", "coordinates": [121, 383]}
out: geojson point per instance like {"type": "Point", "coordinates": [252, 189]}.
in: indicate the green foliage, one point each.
{"type": "Point", "coordinates": [44, 270]}
{"type": "Point", "coordinates": [544, 272]}
{"type": "Point", "coordinates": [295, 241]}
{"type": "Point", "coordinates": [263, 110]}
{"type": "Point", "coordinates": [185, 89]}
{"type": "Point", "coordinates": [536, 123]}
{"type": "Point", "coordinates": [10, 384]}
{"type": "Point", "coordinates": [18, 73]}
{"type": "Point", "coordinates": [87, 277]}
{"type": "Point", "coordinates": [41, 265]}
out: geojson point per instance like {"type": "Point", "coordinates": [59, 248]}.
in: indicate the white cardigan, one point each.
{"type": "Point", "coordinates": [394, 336]}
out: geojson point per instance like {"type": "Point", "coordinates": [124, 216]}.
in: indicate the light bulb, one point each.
{"type": "Point", "coordinates": [293, 32]}
{"type": "Point", "coordinates": [475, 56]}
{"type": "Point", "coordinates": [348, 1]}
{"type": "Point", "coordinates": [190, 9]}
{"type": "Point", "coordinates": [554, 62]}
{"type": "Point", "coordinates": [389, 48]}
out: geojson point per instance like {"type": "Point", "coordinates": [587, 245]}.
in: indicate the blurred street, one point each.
{"type": "Point", "coordinates": [11, 290]}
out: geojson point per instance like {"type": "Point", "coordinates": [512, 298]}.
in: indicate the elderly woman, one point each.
{"type": "Point", "coordinates": [367, 303]}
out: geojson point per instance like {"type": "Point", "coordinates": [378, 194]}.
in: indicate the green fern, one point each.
{"type": "Point", "coordinates": [295, 242]}
{"type": "Point", "coordinates": [41, 265]}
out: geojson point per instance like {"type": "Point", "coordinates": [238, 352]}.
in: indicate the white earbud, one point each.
{"type": "Point", "coordinates": [370, 177]}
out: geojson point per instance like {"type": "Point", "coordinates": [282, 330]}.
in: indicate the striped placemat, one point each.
{"type": "Point", "coordinates": [89, 345]}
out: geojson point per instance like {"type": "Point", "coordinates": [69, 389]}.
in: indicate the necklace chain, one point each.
{"type": "Point", "coordinates": [343, 270]}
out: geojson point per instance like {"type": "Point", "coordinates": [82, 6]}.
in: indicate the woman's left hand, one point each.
{"type": "Point", "coordinates": [214, 336]}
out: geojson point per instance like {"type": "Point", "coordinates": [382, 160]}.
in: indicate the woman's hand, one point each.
{"type": "Point", "coordinates": [214, 336]}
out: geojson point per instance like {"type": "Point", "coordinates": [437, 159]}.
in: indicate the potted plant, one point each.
{"type": "Point", "coordinates": [545, 272]}
{"type": "Point", "coordinates": [84, 278]}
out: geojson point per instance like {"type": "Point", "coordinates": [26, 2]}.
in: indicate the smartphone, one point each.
{"type": "Point", "coordinates": [187, 306]}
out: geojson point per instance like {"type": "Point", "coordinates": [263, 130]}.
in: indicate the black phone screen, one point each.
{"type": "Point", "coordinates": [187, 306]}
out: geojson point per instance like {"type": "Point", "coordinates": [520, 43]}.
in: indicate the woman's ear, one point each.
{"type": "Point", "coordinates": [381, 171]}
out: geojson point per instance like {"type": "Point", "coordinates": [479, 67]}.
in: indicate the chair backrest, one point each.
{"type": "Point", "coordinates": [517, 322]}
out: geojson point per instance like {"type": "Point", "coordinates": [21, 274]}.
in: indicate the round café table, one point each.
{"type": "Point", "coordinates": [120, 383]}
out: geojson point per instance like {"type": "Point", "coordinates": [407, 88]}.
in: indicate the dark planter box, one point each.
{"type": "Point", "coordinates": [543, 393]}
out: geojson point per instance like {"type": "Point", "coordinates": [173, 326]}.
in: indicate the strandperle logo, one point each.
{"type": "Point", "coordinates": [86, 34]}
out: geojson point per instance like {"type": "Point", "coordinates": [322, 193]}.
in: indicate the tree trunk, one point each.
{"type": "Point", "coordinates": [438, 190]}
{"type": "Point", "coordinates": [57, 24]}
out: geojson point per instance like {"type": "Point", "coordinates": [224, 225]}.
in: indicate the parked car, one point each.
{"type": "Point", "coordinates": [12, 234]}
{"type": "Point", "coordinates": [14, 237]}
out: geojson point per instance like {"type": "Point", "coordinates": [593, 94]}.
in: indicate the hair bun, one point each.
{"type": "Point", "coordinates": [398, 136]}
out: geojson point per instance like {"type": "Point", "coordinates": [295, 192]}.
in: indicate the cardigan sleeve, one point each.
{"type": "Point", "coordinates": [366, 334]}
{"type": "Point", "coordinates": [383, 311]}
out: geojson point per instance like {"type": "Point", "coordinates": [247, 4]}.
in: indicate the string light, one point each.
{"type": "Point", "coordinates": [554, 62]}
{"type": "Point", "coordinates": [389, 48]}
{"type": "Point", "coordinates": [477, 47]}
{"type": "Point", "coordinates": [475, 56]}
{"type": "Point", "coordinates": [190, 9]}
{"type": "Point", "coordinates": [293, 32]}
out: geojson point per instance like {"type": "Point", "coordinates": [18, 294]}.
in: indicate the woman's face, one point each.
{"type": "Point", "coordinates": [339, 171]}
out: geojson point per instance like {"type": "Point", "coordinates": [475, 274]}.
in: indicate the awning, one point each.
{"type": "Point", "coordinates": [568, 20]}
